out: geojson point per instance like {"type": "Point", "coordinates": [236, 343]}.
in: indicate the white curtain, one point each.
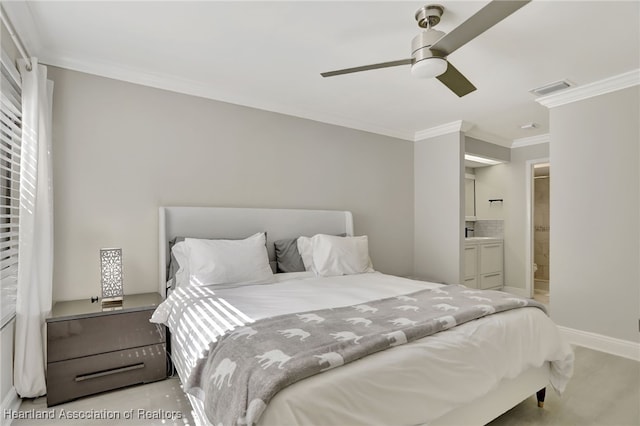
{"type": "Point", "coordinates": [35, 267]}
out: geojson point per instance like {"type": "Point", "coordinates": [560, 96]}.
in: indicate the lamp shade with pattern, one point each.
{"type": "Point", "coordinates": [111, 275]}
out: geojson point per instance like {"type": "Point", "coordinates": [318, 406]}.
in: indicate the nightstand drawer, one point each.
{"type": "Point", "coordinates": [75, 338]}
{"type": "Point", "coordinates": [67, 380]}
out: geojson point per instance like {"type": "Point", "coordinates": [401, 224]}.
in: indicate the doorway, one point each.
{"type": "Point", "coordinates": [541, 230]}
{"type": "Point", "coordinates": [538, 170]}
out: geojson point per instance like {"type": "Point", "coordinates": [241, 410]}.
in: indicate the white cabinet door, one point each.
{"type": "Point", "coordinates": [470, 261]}
{"type": "Point", "coordinates": [491, 258]}
{"type": "Point", "coordinates": [471, 282]}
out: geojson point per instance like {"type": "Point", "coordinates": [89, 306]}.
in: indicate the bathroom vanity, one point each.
{"type": "Point", "coordinates": [483, 263]}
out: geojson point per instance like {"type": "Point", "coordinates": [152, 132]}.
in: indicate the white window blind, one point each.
{"type": "Point", "coordinates": [10, 144]}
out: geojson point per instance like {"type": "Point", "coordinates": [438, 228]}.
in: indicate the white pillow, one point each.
{"type": "Point", "coordinates": [179, 251]}
{"type": "Point", "coordinates": [217, 262]}
{"type": "Point", "coordinates": [340, 255]}
{"type": "Point", "coordinates": [306, 252]}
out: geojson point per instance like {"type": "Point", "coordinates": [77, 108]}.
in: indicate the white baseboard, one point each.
{"type": "Point", "coordinates": [599, 342]}
{"type": "Point", "coordinates": [11, 402]}
{"type": "Point", "coordinates": [522, 292]}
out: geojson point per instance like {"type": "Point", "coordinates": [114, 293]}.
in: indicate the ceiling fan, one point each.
{"type": "Point", "coordinates": [430, 48]}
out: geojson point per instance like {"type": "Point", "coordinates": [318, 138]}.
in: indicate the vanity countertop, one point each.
{"type": "Point", "coordinates": [482, 240]}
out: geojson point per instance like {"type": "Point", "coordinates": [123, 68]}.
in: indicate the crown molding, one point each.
{"type": "Point", "coordinates": [597, 88]}
{"type": "Point", "coordinates": [443, 129]}
{"type": "Point", "coordinates": [531, 140]}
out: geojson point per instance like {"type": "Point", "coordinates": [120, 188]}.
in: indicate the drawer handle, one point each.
{"type": "Point", "coordinates": [491, 246]}
{"type": "Point", "coordinates": [492, 275]}
{"type": "Point", "coordinates": [109, 372]}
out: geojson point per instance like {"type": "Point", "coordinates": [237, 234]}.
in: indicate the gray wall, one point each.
{"type": "Point", "coordinates": [121, 150]}
{"type": "Point", "coordinates": [439, 208]}
{"type": "Point", "coordinates": [595, 237]}
{"type": "Point", "coordinates": [491, 183]}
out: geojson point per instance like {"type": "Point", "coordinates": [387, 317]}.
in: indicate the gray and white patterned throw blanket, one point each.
{"type": "Point", "coordinates": [249, 365]}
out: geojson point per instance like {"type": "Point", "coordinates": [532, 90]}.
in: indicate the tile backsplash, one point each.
{"type": "Point", "coordinates": [487, 228]}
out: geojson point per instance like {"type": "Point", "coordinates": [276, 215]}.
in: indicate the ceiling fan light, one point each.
{"type": "Point", "coordinates": [429, 67]}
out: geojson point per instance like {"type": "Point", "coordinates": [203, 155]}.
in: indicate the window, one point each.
{"type": "Point", "coordinates": [10, 144]}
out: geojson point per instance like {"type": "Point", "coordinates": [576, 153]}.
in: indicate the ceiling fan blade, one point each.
{"type": "Point", "coordinates": [484, 19]}
{"type": "Point", "coordinates": [455, 81]}
{"type": "Point", "coordinates": [367, 67]}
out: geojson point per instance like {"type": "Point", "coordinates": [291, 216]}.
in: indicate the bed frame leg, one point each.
{"type": "Point", "coordinates": [540, 395]}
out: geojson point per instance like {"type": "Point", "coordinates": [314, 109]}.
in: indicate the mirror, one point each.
{"type": "Point", "coordinates": [469, 197]}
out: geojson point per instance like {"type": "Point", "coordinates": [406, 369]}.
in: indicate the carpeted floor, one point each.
{"type": "Point", "coordinates": [604, 391]}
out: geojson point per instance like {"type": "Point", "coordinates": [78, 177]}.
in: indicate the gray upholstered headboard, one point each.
{"type": "Point", "coordinates": [227, 222]}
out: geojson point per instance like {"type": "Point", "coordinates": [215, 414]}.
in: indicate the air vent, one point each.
{"type": "Point", "coordinates": [552, 87]}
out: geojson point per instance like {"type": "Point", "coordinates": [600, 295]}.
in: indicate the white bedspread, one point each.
{"type": "Point", "coordinates": [420, 381]}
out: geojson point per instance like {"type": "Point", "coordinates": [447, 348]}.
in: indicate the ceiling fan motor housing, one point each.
{"type": "Point", "coordinates": [420, 45]}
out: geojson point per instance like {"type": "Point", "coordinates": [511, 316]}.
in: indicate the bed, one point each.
{"type": "Point", "coordinates": [469, 374]}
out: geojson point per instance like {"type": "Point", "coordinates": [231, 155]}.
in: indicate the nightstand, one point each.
{"type": "Point", "coordinates": [91, 350]}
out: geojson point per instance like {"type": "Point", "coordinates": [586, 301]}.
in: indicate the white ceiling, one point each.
{"type": "Point", "coordinates": [269, 55]}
